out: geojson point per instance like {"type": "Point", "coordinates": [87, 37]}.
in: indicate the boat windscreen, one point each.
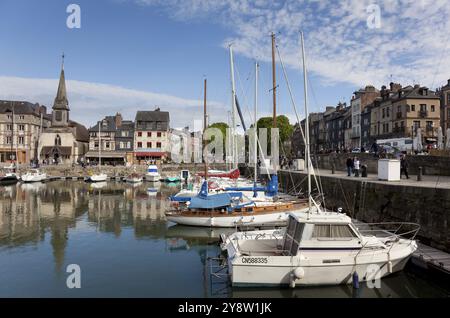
{"type": "Point", "coordinates": [292, 236]}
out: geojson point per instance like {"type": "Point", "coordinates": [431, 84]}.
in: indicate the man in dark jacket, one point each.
{"type": "Point", "coordinates": [404, 167]}
{"type": "Point", "coordinates": [349, 164]}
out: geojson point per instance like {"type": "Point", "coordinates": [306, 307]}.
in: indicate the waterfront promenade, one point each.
{"type": "Point", "coordinates": [439, 182]}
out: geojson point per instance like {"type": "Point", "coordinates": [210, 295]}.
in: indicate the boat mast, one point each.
{"type": "Point", "coordinates": [307, 149]}
{"type": "Point", "coordinates": [255, 146]}
{"type": "Point", "coordinates": [233, 109]}
{"type": "Point", "coordinates": [204, 131]}
{"type": "Point", "coordinates": [99, 146]}
{"type": "Point", "coordinates": [274, 80]}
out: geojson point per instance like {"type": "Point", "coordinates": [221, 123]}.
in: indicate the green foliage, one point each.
{"type": "Point", "coordinates": [285, 128]}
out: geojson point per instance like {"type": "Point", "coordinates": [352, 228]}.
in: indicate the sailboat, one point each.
{"type": "Point", "coordinates": [231, 208]}
{"type": "Point", "coordinates": [98, 177]}
{"type": "Point", "coordinates": [318, 247]}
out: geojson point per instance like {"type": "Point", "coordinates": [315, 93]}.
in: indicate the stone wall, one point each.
{"type": "Point", "coordinates": [431, 165]}
{"type": "Point", "coordinates": [118, 171]}
{"type": "Point", "coordinates": [374, 202]}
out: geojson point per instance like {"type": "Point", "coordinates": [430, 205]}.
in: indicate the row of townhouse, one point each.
{"type": "Point", "coordinates": [392, 112]}
{"type": "Point", "coordinates": [120, 141]}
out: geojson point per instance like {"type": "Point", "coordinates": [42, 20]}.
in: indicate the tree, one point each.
{"type": "Point", "coordinates": [223, 128]}
{"type": "Point", "coordinates": [285, 128]}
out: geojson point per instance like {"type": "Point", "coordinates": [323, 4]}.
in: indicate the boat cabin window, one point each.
{"type": "Point", "coordinates": [332, 232]}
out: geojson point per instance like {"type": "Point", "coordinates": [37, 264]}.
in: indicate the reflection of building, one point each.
{"type": "Point", "coordinates": [151, 135]}
{"type": "Point", "coordinates": [116, 138]}
{"type": "Point", "coordinates": [64, 141]}
{"type": "Point", "coordinates": [28, 213]}
{"type": "Point", "coordinates": [20, 126]}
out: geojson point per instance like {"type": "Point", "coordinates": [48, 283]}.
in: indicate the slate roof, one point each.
{"type": "Point", "coordinates": [20, 107]}
{"type": "Point", "coordinates": [152, 120]}
{"type": "Point", "coordinates": [414, 92]}
{"type": "Point", "coordinates": [152, 116]}
{"type": "Point", "coordinates": [109, 124]}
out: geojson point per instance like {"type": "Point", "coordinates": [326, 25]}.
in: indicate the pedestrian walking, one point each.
{"type": "Point", "coordinates": [356, 165]}
{"type": "Point", "coordinates": [404, 167]}
{"type": "Point", "coordinates": [349, 164]}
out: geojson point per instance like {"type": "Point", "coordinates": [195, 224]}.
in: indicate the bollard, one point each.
{"type": "Point", "coordinates": [419, 176]}
{"type": "Point", "coordinates": [364, 171]}
{"type": "Point", "coordinates": [332, 169]}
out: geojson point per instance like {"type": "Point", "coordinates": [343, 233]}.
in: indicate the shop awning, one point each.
{"type": "Point", "coordinates": [149, 154]}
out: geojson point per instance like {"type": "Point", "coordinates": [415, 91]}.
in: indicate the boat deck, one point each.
{"type": "Point", "coordinates": [244, 211]}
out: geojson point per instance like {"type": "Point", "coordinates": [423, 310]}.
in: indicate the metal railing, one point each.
{"type": "Point", "coordinates": [392, 233]}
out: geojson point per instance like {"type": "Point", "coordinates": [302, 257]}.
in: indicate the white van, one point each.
{"type": "Point", "coordinates": [400, 144]}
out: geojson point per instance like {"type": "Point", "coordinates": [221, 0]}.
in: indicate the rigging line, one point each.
{"type": "Point", "coordinates": [320, 183]}
{"type": "Point", "coordinates": [294, 106]}
{"type": "Point", "coordinates": [243, 91]}
{"type": "Point", "coordinates": [440, 60]}
{"type": "Point", "coordinates": [289, 170]}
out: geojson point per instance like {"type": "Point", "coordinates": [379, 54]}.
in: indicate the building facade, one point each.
{"type": "Point", "coordinates": [64, 141]}
{"type": "Point", "coordinates": [151, 136]}
{"type": "Point", "coordinates": [112, 138]}
{"type": "Point", "coordinates": [360, 100]}
{"type": "Point", "coordinates": [416, 107]}
{"type": "Point", "coordinates": [444, 94]}
{"type": "Point", "coordinates": [21, 124]}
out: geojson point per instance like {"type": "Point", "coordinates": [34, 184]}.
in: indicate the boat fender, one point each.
{"type": "Point", "coordinates": [292, 280]}
{"type": "Point", "coordinates": [299, 273]}
{"type": "Point", "coordinates": [390, 267]}
{"type": "Point", "coordinates": [355, 280]}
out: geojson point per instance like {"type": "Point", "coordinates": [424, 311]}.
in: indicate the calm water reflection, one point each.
{"type": "Point", "coordinates": [118, 235]}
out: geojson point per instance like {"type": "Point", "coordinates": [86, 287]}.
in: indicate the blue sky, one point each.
{"type": "Point", "coordinates": [135, 54]}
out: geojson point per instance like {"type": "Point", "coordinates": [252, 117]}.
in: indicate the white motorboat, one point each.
{"type": "Point", "coordinates": [8, 175]}
{"type": "Point", "coordinates": [98, 177]}
{"type": "Point", "coordinates": [34, 175]}
{"type": "Point", "coordinates": [134, 178]}
{"type": "Point", "coordinates": [152, 174]}
{"type": "Point", "coordinates": [317, 249]}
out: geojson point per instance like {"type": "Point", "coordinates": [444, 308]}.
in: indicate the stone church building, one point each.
{"type": "Point", "coordinates": [65, 141]}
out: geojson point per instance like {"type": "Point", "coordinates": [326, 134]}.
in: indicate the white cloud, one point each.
{"type": "Point", "coordinates": [411, 44]}
{"type": "Point", "coordinates": [91, 101]}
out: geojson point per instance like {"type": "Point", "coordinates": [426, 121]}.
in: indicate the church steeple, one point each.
{"type": "Point", "coordinates": [61, 101]}
{"type": "Point", "coordinates": [61, 104]}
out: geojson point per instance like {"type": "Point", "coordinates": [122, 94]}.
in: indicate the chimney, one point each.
{"type": "Point", "coordinates": [118, 120]}
{"type": "Point", "coordinates": [448, 82]}
{"type": "Point", "coordinates": [43, 109]}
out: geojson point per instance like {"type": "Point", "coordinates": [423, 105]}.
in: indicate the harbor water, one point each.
{"type": "Point", "coordinates": [118, 236]}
